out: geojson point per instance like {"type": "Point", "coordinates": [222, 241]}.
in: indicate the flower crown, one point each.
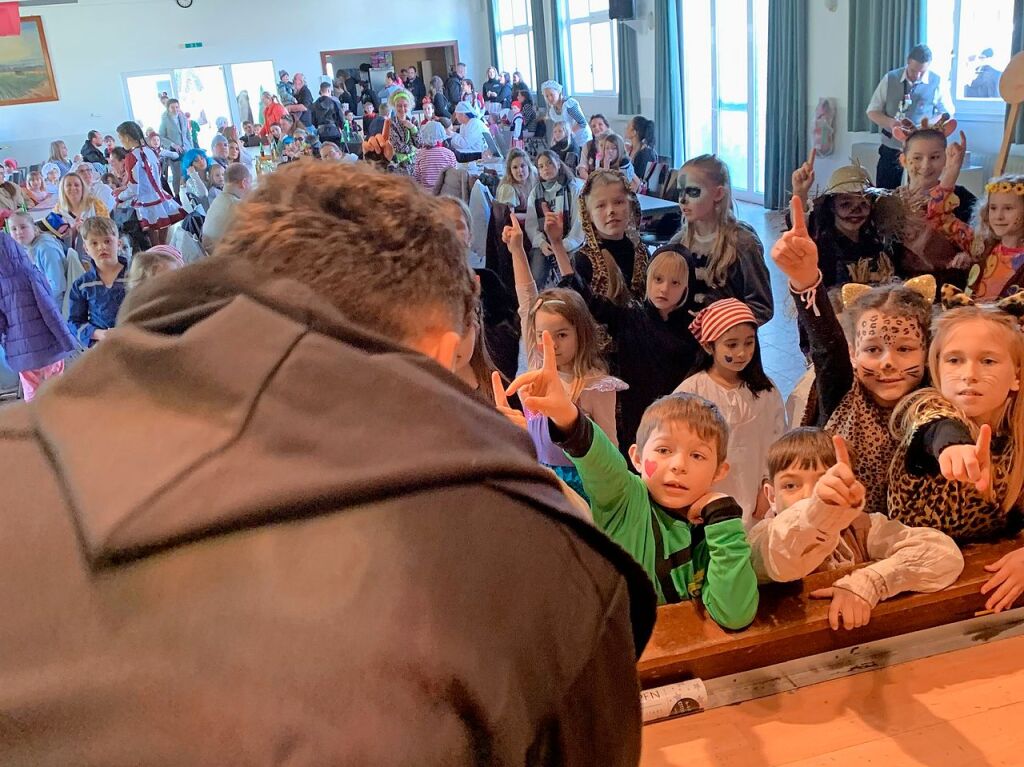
{"type": "Point", "coordinates": [1005, 187]}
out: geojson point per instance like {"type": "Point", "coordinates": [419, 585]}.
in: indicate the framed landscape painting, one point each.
{"type": "Point", "coordinates": [26, 76]}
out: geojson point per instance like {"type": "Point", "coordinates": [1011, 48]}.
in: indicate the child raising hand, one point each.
{"type": "Point", "coordinates": [679, 453]}
{"type": "Point", "coordinates": [817, 523]}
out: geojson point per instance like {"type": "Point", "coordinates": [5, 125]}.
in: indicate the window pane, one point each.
{"type": "Point", "coordinates": [251, 80]}
{"type": "Point", "coordinates": [579, 41]}
{"type": "Point", "coordinates": [761, 94]}
{"type": "Point", "coordinates": [603, 56]}
{"type": "Point", "coordinates": [203, 92]}
{"type": "Point", "coordinates": [579, 9]}
{"type": "Point", "coordinates": [939, 20]}
{"type": "Point", "coordinates": [144, 96]}
{"type": "Point", "coordinates": [524, 57]}
{"type": "Point", "coordinates": [696, 54]}
{"type": "Point", "coordinates": [598, 6]}
{"type": "Point", "coordinates": [731, 39]}
{"type": "Point", "coordinates": [984, 47]}
{"type": "Point", "coordinates": [732, 145]}
{"type": "Point", "coordinates": [508, 52]}
{"type": "Point", "coordinates": [505, 14]}
{"type": "Point", "coordinates": [519, 13]}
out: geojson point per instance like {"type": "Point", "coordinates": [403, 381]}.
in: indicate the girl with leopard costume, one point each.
{"type": "Point", "coordinates": [858, 384]}
{"type": "Point", "coordinates": [960, 463]}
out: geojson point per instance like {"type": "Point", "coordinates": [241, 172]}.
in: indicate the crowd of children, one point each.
{"type": "Point", "coordinates": [639, 374]}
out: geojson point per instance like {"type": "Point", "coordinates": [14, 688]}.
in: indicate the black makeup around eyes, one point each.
{"type": "Point", "coordinates": [692, 192]}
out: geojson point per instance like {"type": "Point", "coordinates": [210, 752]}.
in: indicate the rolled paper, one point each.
{"type": "Point", "coordinates": [673, 700]}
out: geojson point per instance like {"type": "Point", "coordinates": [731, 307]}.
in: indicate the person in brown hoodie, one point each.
{"type": "Point", "coordinates": [258, 524]}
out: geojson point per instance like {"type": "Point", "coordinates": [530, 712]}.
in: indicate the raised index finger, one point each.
{"type": "Point", "coordinates": [812, 156]}
{"type": "Point", "coordinates": [984, 443]}
{"type": "Point", "coordinates": [796, 212]}
{"type": "Point", "coordinates": [549, 351]}
{"type": "Point", "coordinates": [842, 451]}
{"type": "Point", "coordinates": [500, 400]}
{"type": "Point", "coordinates": [514, 223]}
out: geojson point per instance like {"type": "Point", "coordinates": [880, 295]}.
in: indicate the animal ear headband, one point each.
{"type": "Point", "coordinates": [923, 285]}
{"type": "Point", "coordinates": [953, 297]}
{"type": "Point", "coordinates": [944, 125]}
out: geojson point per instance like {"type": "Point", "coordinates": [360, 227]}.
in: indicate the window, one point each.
{"type": "Point", "coordinates": [206, 93]}
{"type": "Point", "coordinates": [725, 84]}
{"type": "Point", "coordinates": [591, 44]}
{"type": "Point", "coordinates": [970, 42]}
{"type": "Point", "coordinates": [514, 24]}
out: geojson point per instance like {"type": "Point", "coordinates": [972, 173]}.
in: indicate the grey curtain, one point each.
{"type": "Point", "coordinates": [493, 29]}
{"type": "Point", "coordinates": [1016, 46]}
{"type": "Point", "coordinates": [629, 71]}
{"type": "Point", "coordinates": [541, 35]}
{"type": "Point", "coordinates": [555, 36]}
{"type": "Point", "coordinates": [786, 131]}
{"type": "Point", "coordinates": [668, 82]}
{"type": "Point", "coordinates": [882, 32]}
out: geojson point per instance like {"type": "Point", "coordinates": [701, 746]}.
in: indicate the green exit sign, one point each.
{"type": "Point", "coordinates": [192, 45]}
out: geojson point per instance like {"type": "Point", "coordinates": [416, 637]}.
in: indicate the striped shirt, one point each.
{"type": "Point", "coordinates": [431, 163]}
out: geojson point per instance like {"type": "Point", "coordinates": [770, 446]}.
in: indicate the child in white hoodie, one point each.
{"type": "Point", "coordinates": [816, 522]}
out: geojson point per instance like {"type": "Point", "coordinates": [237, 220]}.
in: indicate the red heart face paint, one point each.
{"type": "Point", "coordinates": [650, 467]}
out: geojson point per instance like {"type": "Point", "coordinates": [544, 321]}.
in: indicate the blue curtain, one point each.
{"type": "Point", "coordinates": [555, 35]}
{"type": "Point", "coordinates": [629, 71]}
{"type": "Point", "coordinates": [668, 82]}
{"type": "Point", "coordinates": [882, 32]}
{"type": "Point", "coordinates": [541, 34]}
{"type": "Point", "coordinates": [493, 29]}
{"type": "Point", "coordinates": [786, 131]}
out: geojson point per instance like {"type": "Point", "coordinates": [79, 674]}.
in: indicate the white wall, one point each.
{"type": "Point", "coordinates": [94, 42]}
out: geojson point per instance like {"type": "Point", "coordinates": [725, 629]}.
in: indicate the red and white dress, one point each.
{"type": "Point", "coordinates": [156, 208]}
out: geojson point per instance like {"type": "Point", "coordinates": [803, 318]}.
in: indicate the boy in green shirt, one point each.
{"type": "Point", "coordinates": [690, 541]}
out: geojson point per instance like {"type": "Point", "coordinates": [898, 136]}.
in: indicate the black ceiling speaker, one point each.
{"type": "Point", "coordinates": [621, 9]}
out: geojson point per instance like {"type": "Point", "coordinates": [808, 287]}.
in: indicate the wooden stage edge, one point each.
{"type": "Point", "coordinates": [790, 626]}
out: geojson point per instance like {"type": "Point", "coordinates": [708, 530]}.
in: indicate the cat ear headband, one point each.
{"type": "Point", "coordinates": [923, 285]}
{"type": "Point", "coordinates": [953, 297]}
{"type": "Point", "coordinates": [906, 128]}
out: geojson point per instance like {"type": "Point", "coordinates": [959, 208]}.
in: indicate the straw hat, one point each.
{"type": "Point", "coordinates": [850, 179]}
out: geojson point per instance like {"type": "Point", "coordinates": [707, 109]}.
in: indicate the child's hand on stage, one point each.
{"type": "Point", "coordinates": [1008, 582]}
{"type": "Point", "coordinates": [847, 608]}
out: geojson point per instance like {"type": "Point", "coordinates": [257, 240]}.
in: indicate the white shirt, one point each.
{"type": "Point", "coordinates": [103, 193]}
{"type": "Point", "coordinates": [754, 424]}
{"type": "Point", "coordinates": [470, 138]}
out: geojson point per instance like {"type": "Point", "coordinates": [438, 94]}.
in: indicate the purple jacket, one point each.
{"type": "Point", "coordinates": [32, 331]}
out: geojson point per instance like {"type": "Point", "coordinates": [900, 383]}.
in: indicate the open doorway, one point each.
{"type": "Point", "coordinates": [372, 64]}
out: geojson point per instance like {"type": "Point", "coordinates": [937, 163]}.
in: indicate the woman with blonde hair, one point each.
{"type": "Point", "coordinates": [59, 157]}
{"type": "Point", "coordinates": [76, 203]}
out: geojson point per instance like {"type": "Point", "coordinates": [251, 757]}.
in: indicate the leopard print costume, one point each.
{"type": "Point", "coordinates": [865, 425]}
{"type": "Point", "coordinates": [591, 249]}
{"type": "Point", "coordinates": [955, 508]}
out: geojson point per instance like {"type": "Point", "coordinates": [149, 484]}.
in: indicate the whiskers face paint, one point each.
{"type": "Point", "coordinates": [889, 356]}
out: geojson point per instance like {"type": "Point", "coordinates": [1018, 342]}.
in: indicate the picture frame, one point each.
{"type": "Point", "coordinates": [26, 75]}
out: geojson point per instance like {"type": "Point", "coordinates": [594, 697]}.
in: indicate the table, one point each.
{"type": "Point", "coordinates": [38, 214]}
{"type": "Point", "coordinates": [655, 205]}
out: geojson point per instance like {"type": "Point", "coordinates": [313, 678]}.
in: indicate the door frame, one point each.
{"type": "Point", "coordinates": [454, 44]}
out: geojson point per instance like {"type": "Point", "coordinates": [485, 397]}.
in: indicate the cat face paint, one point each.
{"type": "Point", "coordinates": [888, 356]}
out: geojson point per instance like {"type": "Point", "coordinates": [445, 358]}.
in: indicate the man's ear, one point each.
{"type": "Point", "coordinates": [769, 492]}
{"type": "Point", "coordinates": [722, 473]}
{"type": "Point", "coordinates": [634, 456]}
{"type": "Point", "coordinates": [440, 347]}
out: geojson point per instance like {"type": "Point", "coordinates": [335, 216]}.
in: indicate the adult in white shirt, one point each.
{"type": "Point", "coordinates": [93, 185]}
{"type": "Point", "coordinates": [470, 136]}
{"type": "Point", "coordinates": [237, 183]}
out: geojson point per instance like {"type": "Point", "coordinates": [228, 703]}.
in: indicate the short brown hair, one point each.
{"type": "Point", "coordinates": [308, 221]}
{"type": "Point", "coordinates": [697, 413]}
{"type": "Point", "coordinates": [807, 447]}
{"type": "Point", "coordinates": [99, 224]}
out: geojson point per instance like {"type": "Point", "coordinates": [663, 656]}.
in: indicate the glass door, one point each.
{"type": "Point", "coordinates": [248, 83]}
{"type": "Point", "coordinates": [725, 45]}
{"type": "Point", "coordinates": [203, 94]}
{"type": "Point", "coordinates": [144, 94]}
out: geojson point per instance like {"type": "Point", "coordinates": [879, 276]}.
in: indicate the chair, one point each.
{"type": "Point", "coordinates": [666, 225]}
{"type": "Point", "coordinates": [453, 182]}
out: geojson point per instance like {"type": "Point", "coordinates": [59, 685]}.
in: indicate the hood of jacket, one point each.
{"type": "Point", "coordinates": [261, 386]}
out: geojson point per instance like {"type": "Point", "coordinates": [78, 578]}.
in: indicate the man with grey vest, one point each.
{"type": "Point", "coordinates": [175, 136]}
{"type": "Point", "coordinates": [910, 92]}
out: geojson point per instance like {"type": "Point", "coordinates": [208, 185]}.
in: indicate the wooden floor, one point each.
{"type": "Point", "coordinates": [962, 709]}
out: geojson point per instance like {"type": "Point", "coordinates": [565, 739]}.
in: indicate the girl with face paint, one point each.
{"type": "Point", "coordinates": [857, 382]}
{"type": "Point", "coordinates": [1001, 228]}
{"type": "Point", "coordinates": [727, 257]}
{"type": "Point", "coordinates": [960, 466]}
{"type": "Point", "coordinates": [731, 376]}
{"type": "Point", "coordinates": [842, 224]}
